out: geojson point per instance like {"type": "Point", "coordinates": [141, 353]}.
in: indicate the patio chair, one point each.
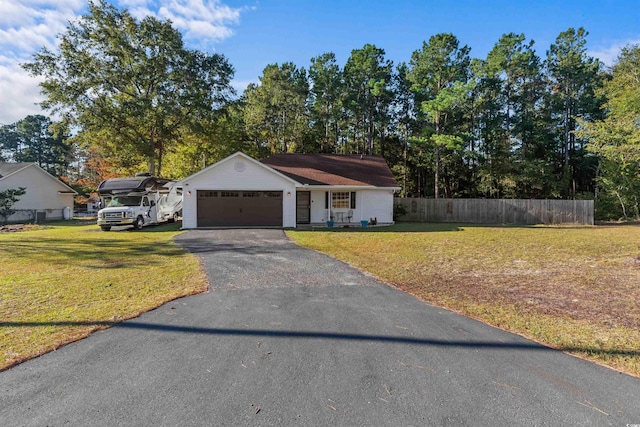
{"type": "Point", "coordinates": [349, 215]}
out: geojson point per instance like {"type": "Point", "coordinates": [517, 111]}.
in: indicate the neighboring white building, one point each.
{"type": "Point", "coordinates": [287, 190]}
{"type": "Point", "coordinates": [46, 197]}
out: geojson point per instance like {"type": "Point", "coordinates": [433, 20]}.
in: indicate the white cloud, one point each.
{"type": "Point", "coordinates": [201, 19]}
{"type": "Point", "coordinates": [609, 54]}
{"type": "Point", "coordinates": [20, 93]}
{"type": "Point", "coordinates": [13, 13]}
{"type": "Point", "coordinates": [210, 20]}
{"type": "Point", "coordinates": [25, 27]}
{"type": "Point", "coordinates": [194, 29]}
{"type": "Point", "coordinates": [129, 4]}
{"type": "Point", "coordinates": [138, 8]}
{"type": "Point", "coordinates": [27, 39]}
{"type": "Point", "coordinates": [28, 25]}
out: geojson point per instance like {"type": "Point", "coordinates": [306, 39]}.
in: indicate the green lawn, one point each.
{"type": "Point", "coordinates": [60, 283]}
{"type": "Point", "coordinates": [573, 288]}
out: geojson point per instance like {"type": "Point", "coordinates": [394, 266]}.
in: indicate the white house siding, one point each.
{"type": "Point", "coordinates": [319, 212]}
{"type": "Point", "coordinates": [226, 176]}
{"type": "Point", "coordinates": [42, 194]}
{"type": "Point", "coordinates": [378, 204]}
{"type": "Point", "coordinates": [370, 203]}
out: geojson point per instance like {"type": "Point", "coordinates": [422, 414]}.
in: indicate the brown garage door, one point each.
{"type": "Point", "coordinates": [239, 208]}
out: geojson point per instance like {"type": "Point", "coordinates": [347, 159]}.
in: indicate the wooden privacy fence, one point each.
{"type": "Point", "coordinates": [497, 211]}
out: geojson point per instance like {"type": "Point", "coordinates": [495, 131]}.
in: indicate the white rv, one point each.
{"type": "Point", "coordinates": [138, 201]}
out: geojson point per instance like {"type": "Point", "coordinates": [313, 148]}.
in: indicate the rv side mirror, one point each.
{"type": "Point", "coordinates": [153, 203]}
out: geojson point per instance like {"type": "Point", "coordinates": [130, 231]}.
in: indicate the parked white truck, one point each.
{"type": "Point", "coordinates": [138, 201]}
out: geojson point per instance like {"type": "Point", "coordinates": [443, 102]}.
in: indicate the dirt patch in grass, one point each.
{"type": "Point", "coordinates": [574, 288]}
{"type": "Point", "coordinates": [610, 298]}
{"type": "Point", "coordinates": [13, 228]}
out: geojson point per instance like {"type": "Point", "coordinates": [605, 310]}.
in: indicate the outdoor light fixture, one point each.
{"type": "Point", "coordinates": [288, 193]}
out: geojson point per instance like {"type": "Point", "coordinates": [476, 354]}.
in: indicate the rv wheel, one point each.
{"type": "Point", "coordinates": [139, 222]}
{"type": "Point", "coordinates": [175, 217]}
{"type": "Point", "coordinates": [105, 227]}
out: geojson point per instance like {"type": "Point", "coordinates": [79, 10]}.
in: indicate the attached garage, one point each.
{"type": "Point", "coordinates": [225, 208]}
{"type": "Point", "coordinates": [238, 191]}
{"type": "Point", "coordinates": [289, 189]}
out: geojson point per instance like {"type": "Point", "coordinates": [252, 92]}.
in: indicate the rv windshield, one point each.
{"type": "Point", "coordinates": [124, 201]}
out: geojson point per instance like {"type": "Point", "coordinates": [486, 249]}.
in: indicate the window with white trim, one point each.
{"type": "Point", "coordinates": [340, 200]}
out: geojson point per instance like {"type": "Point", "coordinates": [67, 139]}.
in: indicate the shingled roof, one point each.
{"type": "Point", "coordinates": [332, 169]}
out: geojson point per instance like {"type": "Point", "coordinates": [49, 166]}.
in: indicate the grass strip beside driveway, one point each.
{"type": "Point", "coordinates": [60, 283]}
{"type": "Point", "coordinates": [573, 288]}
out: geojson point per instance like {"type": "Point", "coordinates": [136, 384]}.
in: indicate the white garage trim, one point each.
{"type": "Point", "coordinates": [238, 172]}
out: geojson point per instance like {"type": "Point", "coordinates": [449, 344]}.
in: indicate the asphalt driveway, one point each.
{"type": "Point", "coordinates": [288, 336]}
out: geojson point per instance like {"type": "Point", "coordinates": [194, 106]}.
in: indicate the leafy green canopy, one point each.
{"type": "Point", "coordinates": [36, 139]}
{"type": "Point", "coordinates": [132, 86]}
{"type": "Point", "coordinates": [439, 76]}
{"type": "Point", "coordinates": [616, 139]}
{"type": "Point", "coordinates": [276, 110]}
{"type": "Point", "coordinates": [7, 199]}
{"type": "Point", "coordinates": [326, 90]}
{"type": "Point", "coordinates": [367, 95]}
{"type": "Point", "coordinates": [575, 78]}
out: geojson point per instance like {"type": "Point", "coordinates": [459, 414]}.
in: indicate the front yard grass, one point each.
{"type": "Point", "coordinates": [573, 288]}
{"type": "Point", "coordinates": [60, 283]}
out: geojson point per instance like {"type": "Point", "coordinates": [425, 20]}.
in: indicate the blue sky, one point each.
{"type": "Point", "coordinates": [255, 33]}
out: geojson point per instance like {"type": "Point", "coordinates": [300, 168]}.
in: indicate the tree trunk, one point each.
{"type": "Point", "coordinates": [437, 168]}
{"type": "Point", "coordinates": [404, 155]}
{"type": "Point", "coordinates": [437, 173]}
{"type": "Point", "coordinates": [160, 156]}
{"type": "Point", "coordinates": [567, 113]}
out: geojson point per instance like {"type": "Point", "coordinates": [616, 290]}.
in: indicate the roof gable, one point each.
{"type": "Point", "coordinates": [333, 169]}
{"type": "Point", "coordinates": [9, 169]}
{"type": "Point", "coordinates": [236, 155]}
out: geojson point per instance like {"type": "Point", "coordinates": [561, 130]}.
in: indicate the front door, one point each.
{"type": "Point", "coordinates": [303, 207]}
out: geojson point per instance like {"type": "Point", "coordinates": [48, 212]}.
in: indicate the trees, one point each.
{"type": "Point", "coordinates": [509, 125]}
{"type": "Point", "coordinates": [575, 78]}
{"type": "Point", "coordinates": [327, 92]}
{"type": "Point", "coordinates": [8, 142]}
{"type": "Point", "coordinates": [7, 199]}
{"type": "Point", "coordinates": [133, 83]}
{"type": "Point", "coordinates": [36, 139]}
{"type": "Point", "coordinates": [403, 108]}
{"type": "Point", "coordinates": [616, 139]}
{"type": "Point", "coordinates": [221, 136]}
{"type": "Point", "coordinates": [367, 80]}
{"type": "Point", "coordinates": [276, 113]}
{"type": "Point", "coordinates": [439, 73]}
{"type": "Point", "coordinates": [509, 94]}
